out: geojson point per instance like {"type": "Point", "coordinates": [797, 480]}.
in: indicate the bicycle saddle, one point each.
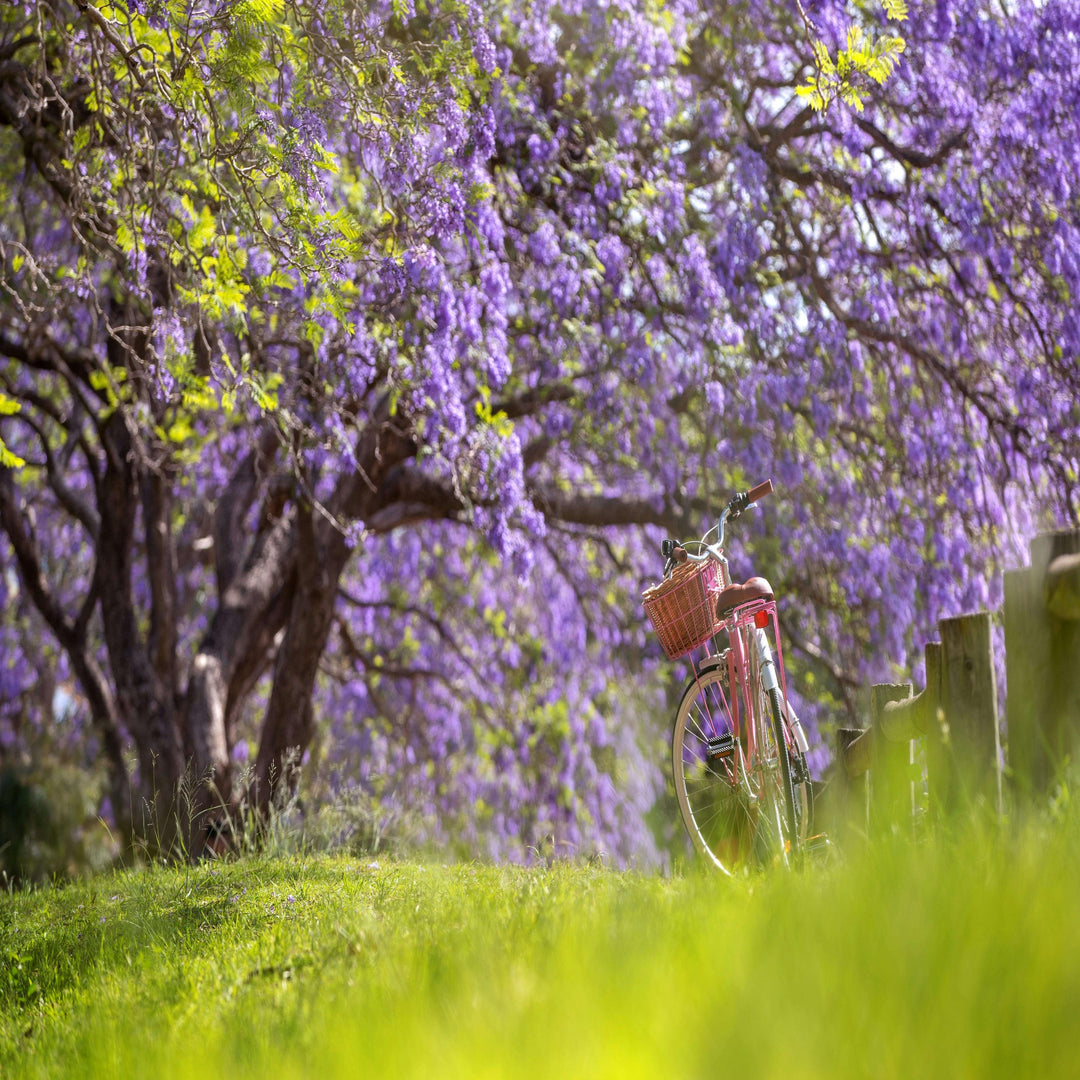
{"type": "Point", "coordinates": [757, 588]}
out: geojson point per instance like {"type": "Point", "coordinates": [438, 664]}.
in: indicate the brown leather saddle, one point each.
{"type": "Point", "coordinates": [757, 588]}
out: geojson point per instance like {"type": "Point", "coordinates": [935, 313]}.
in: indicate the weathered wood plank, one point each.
{"type": "Point", "coordinates": [936, 730]}
{"type": "Point", "coordinates": [1042, 657]}
{"type": "Point", "coordinates": [858, 754]}
{"type": "Point", "coordinates": [890, 773]}
{"type": "Point", "coordinates": [848, 805]}
{"type": "Point", "coordinates": [904, 720]}
{"type": "Point", "coordinates": [969, 702]}
{"type": "Point", "coordinates": [1062, 587]}
{"type": "Point", "coordinates": [1027, 650]}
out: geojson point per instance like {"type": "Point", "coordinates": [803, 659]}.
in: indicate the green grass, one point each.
{"type": "Point", "coordinates": [954, 959]}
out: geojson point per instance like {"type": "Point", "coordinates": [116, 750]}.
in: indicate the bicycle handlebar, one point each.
{"type": "Point", "coordinates": [744, 500]}
{"type": "Point", "coordinates": [673, 551]}
{"type": "Point", "coordinates": [759, 492]}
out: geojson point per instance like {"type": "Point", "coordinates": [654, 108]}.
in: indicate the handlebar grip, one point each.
{"type": "Point", "coordinates": [678, 554]}
{"type": "Point", "coordinates": [759, 492]}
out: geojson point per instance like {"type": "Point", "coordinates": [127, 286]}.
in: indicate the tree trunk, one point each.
{"type": "Point", "coordinates": [322, 555]}
{"type": "Point", "coordinates": [252, 609]}
{"type": "Point", "coordinates": [290, 720]}
{"type": "Point", "coordinates": [145, 706]}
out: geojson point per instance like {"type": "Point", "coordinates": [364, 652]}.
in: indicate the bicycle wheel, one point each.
{"type": "Point", "coordinates": [783, 780]}
{"type": "Point", "coordinates": [718, 795]}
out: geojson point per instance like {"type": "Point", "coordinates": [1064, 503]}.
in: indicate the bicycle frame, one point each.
{"type": "Point", "coordinates": [745, 665]}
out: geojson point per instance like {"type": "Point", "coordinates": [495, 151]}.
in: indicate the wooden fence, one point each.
{"type": "Point", "coordinates": [941, 749]}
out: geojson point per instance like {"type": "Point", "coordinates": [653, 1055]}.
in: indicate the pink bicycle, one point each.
{"type": "Point", "coordinates": [738, 751]}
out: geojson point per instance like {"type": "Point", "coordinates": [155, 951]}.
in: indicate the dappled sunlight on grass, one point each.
{"type": "Point", "coordinates": [945, 959]}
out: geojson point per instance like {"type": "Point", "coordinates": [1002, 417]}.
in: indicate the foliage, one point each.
{"type": "Point", "coordinates": [364, 352]}
{"type": "Point", "coordinates": [949, 958]}
{"type": "Point", "coordinates": [865, 58]}
{"type": "Point", "coordinates": [8, 460]}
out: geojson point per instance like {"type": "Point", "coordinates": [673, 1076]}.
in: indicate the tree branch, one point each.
{"type": "Point", "coordinates": [603, 510]}
{"type": "Point", "coordinates": [233, 505]}
{"type": "Point", "coordinates": [28, 556]}
{"type": "Point", "coordinates": [72, 638]}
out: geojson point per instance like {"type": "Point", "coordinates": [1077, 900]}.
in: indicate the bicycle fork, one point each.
{"type": "Point", "coordinates": [783, 719]}
{"type": "Point", "coordinates": [771, 684]}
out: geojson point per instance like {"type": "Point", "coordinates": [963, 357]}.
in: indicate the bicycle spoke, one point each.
{"type": "Point", "coordinates": [703, 761]}
{"type": "Point", "coordinates": [704, 822]}
{"type": "Point", "coordinates": [712, 772]}
{"type": "Point", "coordinates": [707, 720]}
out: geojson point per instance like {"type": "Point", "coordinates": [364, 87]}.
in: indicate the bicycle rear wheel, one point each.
{"type": "Point", "coordinates": [719, 796]}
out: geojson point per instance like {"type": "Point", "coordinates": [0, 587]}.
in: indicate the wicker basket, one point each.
{"type": "Point", "coordinates": [682, 608]}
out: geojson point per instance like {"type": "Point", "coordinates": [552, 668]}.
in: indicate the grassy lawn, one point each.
{"type": "Point", "coordinates": [953, 959]}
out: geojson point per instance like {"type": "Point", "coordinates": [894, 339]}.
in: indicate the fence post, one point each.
{"type": "Point", "coordinates": [890, 771]}
{"type": "Point", "coordinates": [1042, 660]}
{"type": "Point", "coordinates": [969, 702]}
{"type": "Point", "coordinates": [849, 803]}
{"type": "Point", "coordinates": [1027, 645]}
{"type": "Point", "coordinates": [937, 764]}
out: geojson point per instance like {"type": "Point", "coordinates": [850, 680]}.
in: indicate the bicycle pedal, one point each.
{"type": "Point", "coordinates": [817, 845]}
{"type": "Point", "coordinates": [722, 746]}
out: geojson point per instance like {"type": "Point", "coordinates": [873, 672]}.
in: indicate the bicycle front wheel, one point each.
{"type": "Point", "coordinates": [783, 780]}
{"type": "Point", "coordinates": [719, 796]}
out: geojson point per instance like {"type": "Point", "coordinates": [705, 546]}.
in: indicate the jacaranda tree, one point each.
{"type": "Point", "coordinates": [356, 356]}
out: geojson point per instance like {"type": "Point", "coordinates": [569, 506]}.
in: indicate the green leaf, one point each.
{"type": "Point", "coordinates": [8, 460]}
{"type": "Point", "coordinates": [125, 238]}
{"type": "Point", "coordinates": [203, 231]}
{"type": "Point", "coordinates": [264, 390]}
{"type": "Point", "coordinates": [180, 430]}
